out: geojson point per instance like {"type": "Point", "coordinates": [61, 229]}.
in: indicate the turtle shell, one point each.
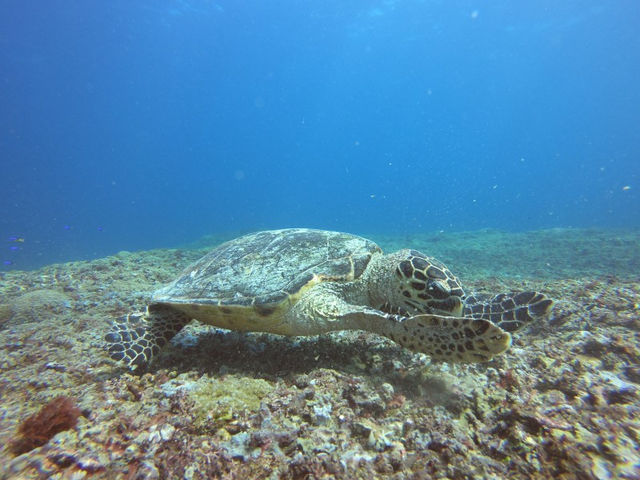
{"type": "Point", "coordinates": [265, 268]}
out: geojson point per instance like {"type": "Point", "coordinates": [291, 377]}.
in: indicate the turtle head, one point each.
{"type": "Point", "coordinates": [422, 284]}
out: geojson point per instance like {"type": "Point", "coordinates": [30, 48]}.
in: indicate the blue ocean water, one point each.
{"type": "Point", "coordinates": [133, 125]}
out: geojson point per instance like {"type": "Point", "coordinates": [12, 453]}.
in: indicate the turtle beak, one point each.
{"type": "Point", "coordinates": [444, 302]}
{"type": "Point", "coordinates": [451, 305]}
{"type": "Point", "coordinates": [456, 311]}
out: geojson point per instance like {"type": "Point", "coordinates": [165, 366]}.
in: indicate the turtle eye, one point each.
{"type": "Point", "coordinates": [437, 290]}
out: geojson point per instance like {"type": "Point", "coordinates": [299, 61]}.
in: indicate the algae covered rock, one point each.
{"type": "Point", "coordinates": [5, 313]}
{"type": "Point", "coordinates": [38, 305]}
{"type": "Point", "coordinates": [218, 401]}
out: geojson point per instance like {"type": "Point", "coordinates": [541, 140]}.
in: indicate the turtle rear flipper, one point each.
{"type": "Point", "coordinates": [510, 311]}
{"type": "Point", "coordinates": [136, 338]}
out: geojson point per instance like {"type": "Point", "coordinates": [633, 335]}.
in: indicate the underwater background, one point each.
{"type": "Point", "coordinates": [503, 138]}
{"type": "Point", "coordinates": [136, 125]}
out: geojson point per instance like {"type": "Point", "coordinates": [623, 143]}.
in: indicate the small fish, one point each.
{"type": "Point", "coordinates": [8, 262]}
{"type": "Point", "coordinates": [16, 239]}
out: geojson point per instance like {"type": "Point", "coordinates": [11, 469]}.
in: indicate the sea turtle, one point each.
{"type": "Point", "coordinates": [307, 282]}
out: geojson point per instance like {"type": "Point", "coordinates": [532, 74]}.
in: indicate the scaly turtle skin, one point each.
{"type": "Point", "coordinates": [308, 282]}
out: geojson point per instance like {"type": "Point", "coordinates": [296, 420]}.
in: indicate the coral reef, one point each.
{"type": "Point", "coordinates": [563, 402]}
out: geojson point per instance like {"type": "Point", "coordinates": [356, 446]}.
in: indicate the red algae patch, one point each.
{"type": "Point", "coordinates": [58, 415]}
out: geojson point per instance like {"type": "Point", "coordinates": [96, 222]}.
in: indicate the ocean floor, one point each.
{"type": "Point", "coordinates": [563, 402]}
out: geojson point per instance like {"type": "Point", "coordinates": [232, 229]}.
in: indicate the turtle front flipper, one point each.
{"type": "Point", "coordinates": [448, 339]}
{"type": "Point", "coordinates": [136, 338]}
{"type": "Point", "coordinates": [510, 311]}
{"type": "Point", "coordinates": [443, 338]}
